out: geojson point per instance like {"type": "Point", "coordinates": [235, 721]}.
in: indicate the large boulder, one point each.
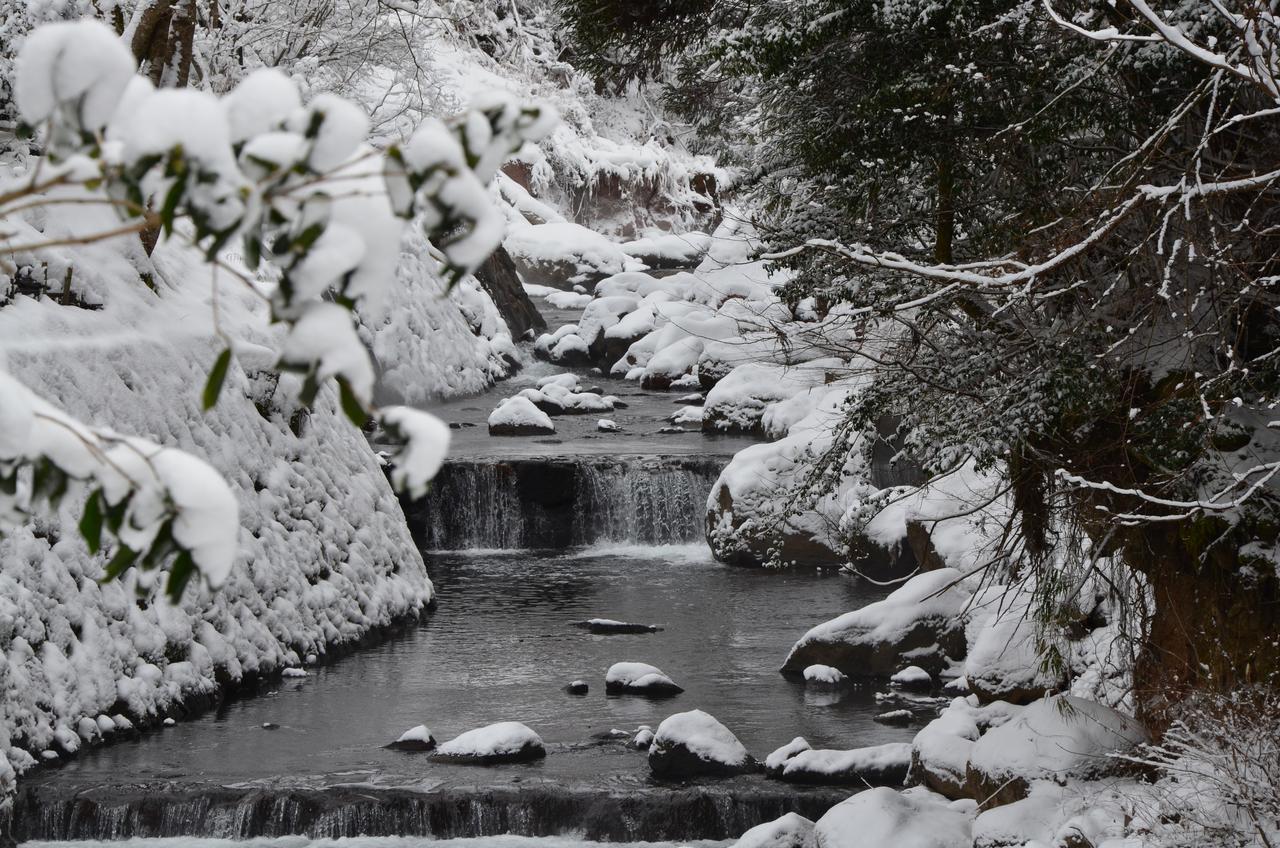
{"type": "Point", "coordinates": [563, 254]}
{"type": "Point", "coordinates": [517, 416]}
{"type": "Point", "coordinates": [504, 742]}
{"type": "Point", "coordinates": [922, 622]}
{"type": "Point", "coordinates": [636, 678]}
{"type": "Point", "coordinates": [879, 765]}
{"type": "Point", "coordinates": [695, 743]}
{"type": "Point", "coordinates": [791, 831]}
{"type": "Point", "coordinates": [1053, 739]}
{"type": "Point", "coordinates": [884, 818]}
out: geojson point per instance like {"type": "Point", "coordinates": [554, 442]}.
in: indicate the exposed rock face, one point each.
{"type": "Point", "coordinates": [500, 279]}
{"type": "Point", "coordinates": [693, 744]}
{"type": "Point", "coordinates": [921, 623]}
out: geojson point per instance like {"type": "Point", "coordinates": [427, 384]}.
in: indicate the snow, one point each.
{"type": "Point", "coordinates": [637, 676]}
{"type": "Point", "coordinates": [883, 818]}
{"type": "Point", "coordinates": [79, 65]}
{"type": "Point", "coordinates": [858, 764]}
{"type": "Point", "coordinates": [259, 103]}
{"type": "Point", "coordinates": [1053, 738]}
{"type": "Point", "coordinates": [520, 412]}
{"type": "Point", "coordinates": [701, 734]}
{"type": "Point", "coordinates": [607, 425]}
{"type": "Point", "coordinates": [790, 831]}
{"type": "Point", "coordinates": [912, 677]}
{"type": "Point", "coordinates": [565, 252]}
{"type": "Point", "coordinates": [495, 740]}
{"type": "Point", "coordinates": [674, 248]}
{"type": "Point", "coordinates": [824, 674]}
{"type": "Point", "coordinates": [1004, 660]}
{"type": "Point", "coordinates": [426, 445]}
{"type": "Point", "coordinates": [420, 733]}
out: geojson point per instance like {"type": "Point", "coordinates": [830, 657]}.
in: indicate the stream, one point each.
{"type": "Point", "coordinates": [522, 537]}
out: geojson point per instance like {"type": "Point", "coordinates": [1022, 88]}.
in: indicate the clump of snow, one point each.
{"type": "Point", "coordinates": [639, 678]}
{"type": "Point", "coordinates": [556, 399]}
{"type": "Point", "coordinates": [879, 765]}
{"type": "Point", "coordinates": [774, 763]}
{"type": "Point", "coordinates": [517, 416]}
{"type": "Point", "coordinates": [824, 674]}
{"type": "Point", "coordinates": [507, 741]}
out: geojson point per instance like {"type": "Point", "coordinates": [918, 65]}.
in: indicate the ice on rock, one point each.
{"type": "Point", "coordinates": [639, 679]}
{"type": "Point", "coordinates": [885, 818]}
{"type": "Point", "coordinates": [504, 742]}
{"type": "Point", "coordinates": [517, 416]}
{"type": "Point", "coordinates": [824, 675]}
{"type": "Point", "coordinates": [695, 743]}
{"type": "Point", "coordinates": [791, 831]}
{"type": "Point", "coordinates": [417, 738]}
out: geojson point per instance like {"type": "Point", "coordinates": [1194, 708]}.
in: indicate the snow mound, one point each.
{"type": "Point", "coordinates": [504, 742]}
{"type": "Point", "coordinates": [563, 254]}
{"type": "Point", "coordinates": [824, 674]}
{"type": "Point", "coordinates": [639, 678]}
{"type": "Point", "coordinates": [914, 678]}
{"type": "Point", "coordinates": [1004, 661]}
{"type": "Point", "coordinates": [517, 416]}
{"type": "Point", "coordinates": [774, 763]}
{"type": "Point", "coordinates": [791, 831]}
{"type": "Point", "coordinates": [883, 818]}
{"type": "Point", "coordinates": [414, 739]}
{"type": "Point", "coordinates": [694, 743]}
{"type": "Point", "coordinates": [1051, 739]}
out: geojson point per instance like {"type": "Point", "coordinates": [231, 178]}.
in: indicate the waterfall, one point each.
{"type": "Point", "coordinates": [561, 502]}
{"type": "Point", "coordinates": [633, 814]}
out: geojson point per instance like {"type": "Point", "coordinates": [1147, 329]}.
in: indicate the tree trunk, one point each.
{"type": "Point", "coordinates": [945, 213]}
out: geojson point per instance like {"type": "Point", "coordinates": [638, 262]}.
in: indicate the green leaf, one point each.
{"type": "Point", "coordinates": [120, 563]}
{"type": "Point", "coordinates": [170, 207]}
{"type": "Point", "coordinates": [218, 376]}
{"type": "Point", "coordinates": [351, 405]}
{"type": "Point", "coordinates": [91, 522]}
{"type": "Point", "coordinates": [252, 252]}
{"type": "Point", "coordinates": [180, 574]}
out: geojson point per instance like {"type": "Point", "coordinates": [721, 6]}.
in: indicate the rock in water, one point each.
{"type": "Point", "coordinates": [608, 625]}
{"type": "Point", "coordinates": [639, 679]}
{"type": "Point", "coordinates": [694, 743]}
{"type": "Point", "coordinates": [791, 831]}
{"type": "Point", "coordinates": [578, 687]}
{"type": "Point", "coordinates": [775, 762]}
{"type": "Point", "coordinates": [823, 675]}
{"type": "Point", "coordinates": [518, 416]}
{"type": "Point", "coordinates": [913, 678]}
{"type": "Point", "coordinates": [414, 739]}
{"type": "Point", "coordinates": [879, 765]}
{"type": "Point", "coordinates": [504, 742]}
{"type": "Point", "coordinates": [896, 718]}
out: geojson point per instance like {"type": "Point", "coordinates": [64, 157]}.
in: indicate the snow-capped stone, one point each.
{"type": "Point", "coordinates": [608, 625]}
{"type": "Point", "coordinates": [414, 739]}
{"type": "Point", "coordinates": [774, 763]}
{"type": "Point", "coordinates": [517, 416]}
{"type": "Point", "coordinates": [168, 722]}
{"type": "Point", "coordinates": [884, 818]}
{"type": "Point", "coordinates": [643, 738]}
{"type": "Point", "coordinates": [1004, 661]}
{"type": "Point", "coordinates": [895, 717]}
{"type": "Point", "coordinates": [639, 679]}
{"type": "Point", "coordinates": [555, 399]}
{"type": "Point", "coordinates": [878, 765]}
{"type": "Point", "coordinates": [1053, 738]}
{"type": "Point", "coordinates": [912, 678]}
{"type": "Point", "coordinates": [922, 621]}
{"type": "Point", "coordinates": [940, 751]}
{"type": "Point", "coordinates": [295, 672]}
{"type": "Point", "coordinates": [695, 743]}
{"type": "Point", "coordinates": [791, 831]}
{"type": "Point", "coordinates": [824, 675]}
{"type": "Point", "coordinates": [607, 425]}
{"type": "Point", "coordinates": [504, 742]}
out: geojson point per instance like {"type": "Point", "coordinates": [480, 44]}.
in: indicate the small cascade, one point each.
{"type": "Point", "coordinates": [673, 814]}
{"type": "Point", "coordinates": [561, 502]}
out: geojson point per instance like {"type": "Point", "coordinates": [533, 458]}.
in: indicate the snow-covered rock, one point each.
{"type": "Point", "coordinates": [607, 425]}
{"type": "Point", "coordinates": [921, 622]}
{"type": "Point", "coordinates": [737, 403]}
{"type": "Point", "coordinates": [561, 254]}
{"type": "Point", "coordinates": [791, 831]}
{"type": "Point", "coordinates": [414, 739]}
{"type": "Point", "coordinates": [1052, 739]}
{"type": "Point", "coordinates": [504, 742]}
{"type": "Point", "coordinates": [912, 678]}
{"type": "Point", "coordinates": [694, 743]}
{"type": "Point", "coordinates": [878, 765]}
{"type": "Point", "coordinates": [1003, 663]}
{"type": "Point", "coordinates": [555, 399]}
{"type": "Point", "coordinates": [776, 761]}
{"type": "Point", "coordinates": [883, 818]}
{"type": "Point", "coordinates": [824, 675]}
{"type": "Point", "coordinates": [517, 416]}
{"type": "Point", "coordinates": [577, 687]}
{"type": "Point", "coordinates": [638, 678]}
{"type": "Point", "coordinates": [669, 250]}
{"type": "Point", "coordinates": [643, 738]}
{"type": "Point", "coordinates": [609, 625]}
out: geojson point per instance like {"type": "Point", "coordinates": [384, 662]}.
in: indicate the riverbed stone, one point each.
{"type": "Point", "coordinates": [693, 744]}
{"type": "Point", "coordinates": [877, 765]}
{"type": "Point", "coordinates": [635, 678]}
{"type": "Point", "coordinates": [496, 744]}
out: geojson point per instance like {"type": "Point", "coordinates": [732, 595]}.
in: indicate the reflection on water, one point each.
{"type": "Point", "coordinates": [500, 647]}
